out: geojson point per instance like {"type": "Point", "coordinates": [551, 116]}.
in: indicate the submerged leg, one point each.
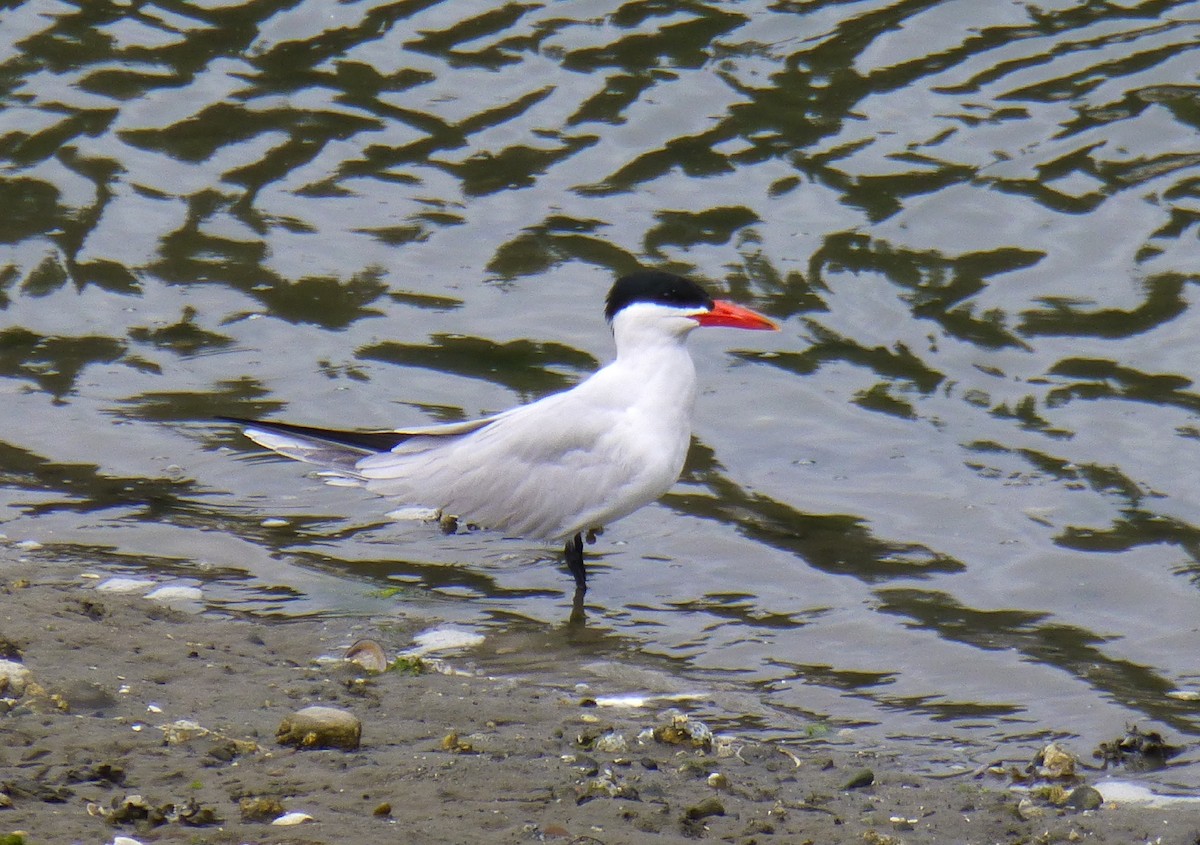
{"type": "Point", "coordinates": [574, 555]}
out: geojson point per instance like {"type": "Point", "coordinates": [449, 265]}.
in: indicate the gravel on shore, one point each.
{"type": "Point", "coordinates": [125, 717]}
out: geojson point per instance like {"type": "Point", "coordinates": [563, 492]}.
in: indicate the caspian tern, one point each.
{"type": "Point", "coordinates": [565, 464]}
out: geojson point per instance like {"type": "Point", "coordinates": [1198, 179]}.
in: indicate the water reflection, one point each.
{"type": "Point", "coordinates": [525, 367]}
{"type": "Point", "coordinates": [835, 543]}
{"type": "Point", "coordinates": [1074, 650]}
{"type": "Point", "coordinates": [955, 491]}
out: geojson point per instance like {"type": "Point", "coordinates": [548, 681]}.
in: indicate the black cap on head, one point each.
{"type": "Point", "coordinates": [658, 287]}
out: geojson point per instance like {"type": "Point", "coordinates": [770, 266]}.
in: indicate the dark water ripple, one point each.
{"type": "Point", "coordinates": [956, 495]}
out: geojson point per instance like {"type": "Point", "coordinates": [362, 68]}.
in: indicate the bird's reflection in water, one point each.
{"type": "Point", "coordinates": [578, 619]}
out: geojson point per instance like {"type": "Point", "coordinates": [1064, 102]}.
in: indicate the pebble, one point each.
{"type": "Point", "coordinates": [181, 731]}
{"type": "Point", "coordinates": [13, 678]}
{"type": "Point", "coordinates": [707, 807]}
{"type": "Point", "coordinates": [124, 585]}
{"type": "Point", "coordinates": [260, 809]}
{"type": "Point", "coordinates": [369, 655]}
{"type": "Point", "coordinates": [1027, 809]}
{"type": "Point", "coordinates": [1085, 798]}
{"type": "Point", "coordinates": [321, 727]}
{"type": "Point", "coordinates": [1055, 762]}
{"type": "Point", "coordinates": [612, 742]}
{"type": "Point", "coordinates": [612, 785]}
{"type": "Point", "coordinates": [684, 731]}
{"type": "Point", "coordinates": [861, 778]}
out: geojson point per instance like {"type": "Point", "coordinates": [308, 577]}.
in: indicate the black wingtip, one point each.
{"type": "Point", "coordinates": [367, 441]}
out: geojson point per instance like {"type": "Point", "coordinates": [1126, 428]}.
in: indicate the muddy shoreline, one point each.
{"type": "Point", "coordinates": [138, 719]}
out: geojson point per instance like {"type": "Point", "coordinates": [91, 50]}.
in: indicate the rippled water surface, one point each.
{"type": "Point", "coordinates": [955, 500]}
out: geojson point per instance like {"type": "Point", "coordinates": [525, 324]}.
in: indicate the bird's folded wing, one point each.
{"type": "Point", "coordinates": [534, 471]}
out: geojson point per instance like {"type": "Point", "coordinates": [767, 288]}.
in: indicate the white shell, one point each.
{"type": "Point", "coordinates": [124, 585]}
{"type": "Point", "coordinates": [443, 639]}
{"type": "Point", "coordinates": [167, 594]}
{"type": "Point", "coordinates": [288, 819]}
{"type": "Point", "coordinates": [369, 655]}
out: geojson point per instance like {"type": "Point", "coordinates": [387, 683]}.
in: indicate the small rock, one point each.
{"type": "Point", "coordinates": [181, 731]}
{"type": "Point", "coordinates": [321, 727]}
{"type": "Point", "coordinates": [383, 810]}
{"type": "Point", "coordinates": [367, 654]}
{"type": "Point", "coordinates": [1028, 809]}
{"type": "Point", "coordinates": [611, 785]}
{"type": "Point", "coordinates": [861, 778]}
{"type": "Point", "coordinates": [1054, 762]}
{"type": "Point", "coordinates": [718, 781]}
{"type": "Point", "coordinates": [758, 826]}
{"type": "Point", "coordinates": [1050, 794]}
{"type": "Point", "coordinates": [1085, 798]}
{"type": "Point", "coordinates": [685, 731]}
{"type": "Point", "coordinates": [874, 837]}
{"type": "Point", "coordinates": [259, 809]}
{"type": "Point", "coordinates": [13, 678]}
{"type": "Point", "coordinates": [693, 767]}
{"type": "Point", "coordinates": [612, 742]}
{"type": "Point", "coordinates": [1139, 751]}
{"type": "Point", "coordinates": [135, 808]}
{"type": "Point", "coordinates": [192, 814]}
{"type": "Point", "coordinates": [451, 742]}
{"type": "Point", "coordinates": [707, 807]}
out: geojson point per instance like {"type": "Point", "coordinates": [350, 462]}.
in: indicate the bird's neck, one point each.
{"type": "Point", "coordinates": [658, 373]}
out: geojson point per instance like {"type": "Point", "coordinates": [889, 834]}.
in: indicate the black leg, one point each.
{"type": "Point", "coordinates": [574, 554]}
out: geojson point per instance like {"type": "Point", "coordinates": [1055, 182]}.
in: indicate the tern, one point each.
{"type": "Point", "coordinates": [565, 465]}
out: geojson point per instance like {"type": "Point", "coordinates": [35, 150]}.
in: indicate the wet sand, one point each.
{"type": "Point", "coordinates": [444, 758]}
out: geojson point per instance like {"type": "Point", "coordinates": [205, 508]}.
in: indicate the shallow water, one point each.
{"type": "Point", "coordinates": [952, 502]}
